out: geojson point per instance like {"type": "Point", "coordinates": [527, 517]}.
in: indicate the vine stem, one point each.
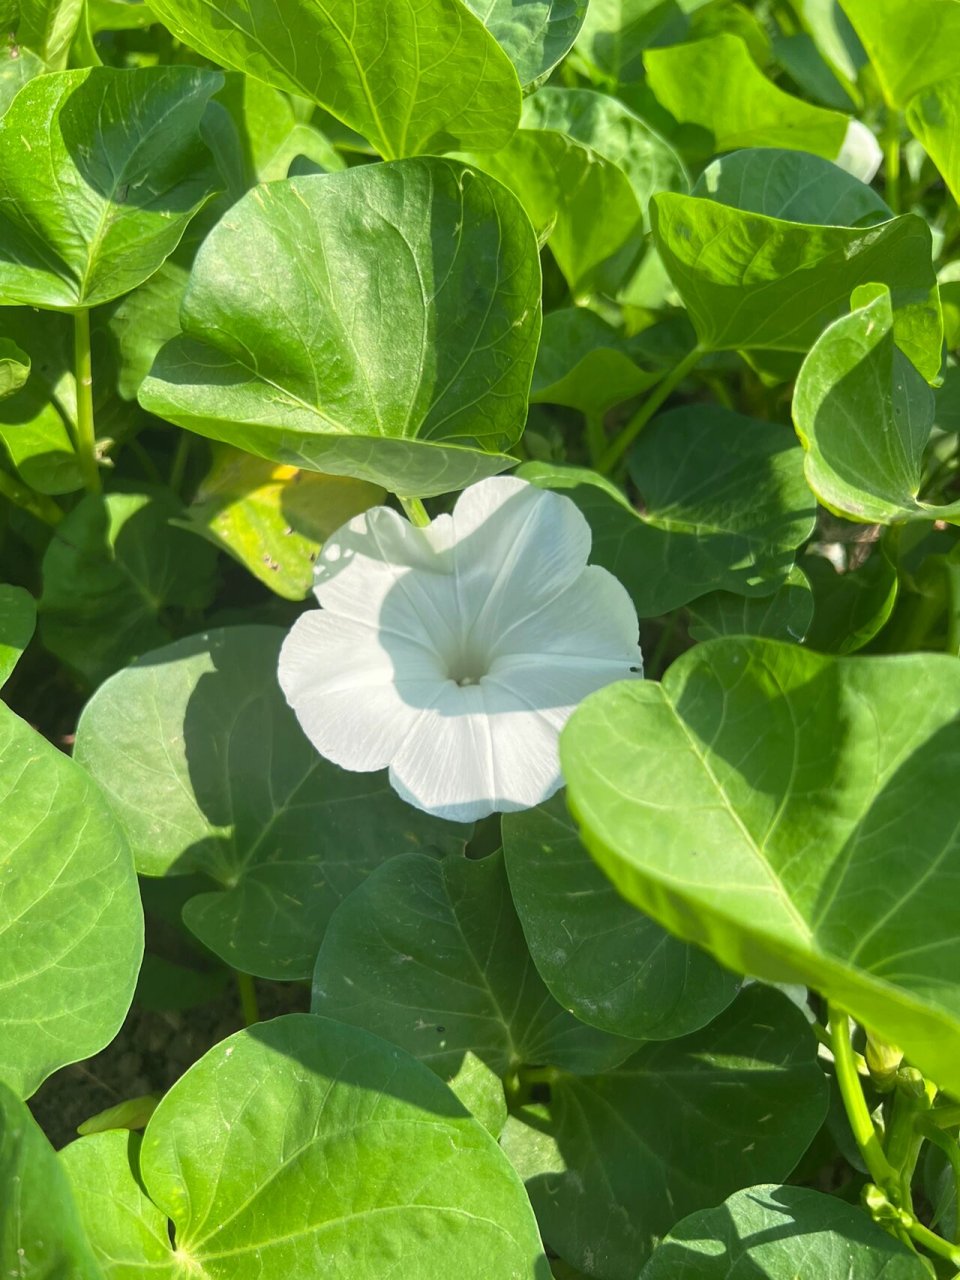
{"type": "Point", "coordinates": [416, 511]}
{"type": "Point", "coordinates": [643, 415]}
{"type": "Point", "coordinates": [848, 1082]}
{"type": "Point", "coordinates": [181, 453]}
{"type": "Point", "coordinates": [891, 159]}
{"type": "Point", "coordinates": [248, 998]}
{"type": "Point", "coordinates": [86, 431]}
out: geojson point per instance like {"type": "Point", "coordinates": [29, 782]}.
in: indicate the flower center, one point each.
{"type": "Point", "coordinates": [466, 668]}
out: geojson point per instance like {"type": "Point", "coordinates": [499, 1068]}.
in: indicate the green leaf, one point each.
{"type": "Point", "coordinates": [934, 116]}
{"type": "Point", "coordinates": [561, 183]}
{"type": "Point", "coordinates": [793, 186]}
{"type": "Point", "coordinates": [617, 1158]}
{"type": "Point", "coordinates": [18, 618]}
{"type": "Point", "coordinates": [40, 1232]}
{"type": "Point", "coordinates": [723, 504]}
{"type": "Point", "coordinates": [804, 828]}
{"type": "Point", "coordinates": [283, 834]}
{"type": "Point", "coordinates": [584, 363]}
{"type": "Point", "coordinates": [274, 519]}
{"type": "Point", "coordinates": [616, 32]}
{"type": "Point", "coordinates": [71, 926]}
{"type": "Point", "coordinates": [411, 79]}
{"type": "Point", "coordinates": [850, 608]}
{"type": "Point", "coordinates": [17, 66]}
{"type": "Point", "coordinates": [535, 34]}
{"type": "Point", "coordinates": [831, 32]}
{"type": "Point", "coordinates": [432, 955]}
{"type": "Point", "coordinates": [112, 573]}
{"type": "Point", "coordinates": [14, 367]}
{"type": "Point", "coordinates": [786, 615]}
{"type": "Point", "coordinates": [911, 46]}
{"type": "Point", "coordinates": [136, 326]}
{"type": "Point", "coordinates": [716, 85]}
{"type": "Point", "coordinates": [749, 280]}
{"type": "Point", "coordinates": [303, 1147]}
{"type": "Point", "coordinates": [47, 27]}
{"type": "Point", "coordinates": [612, 130]}
{"type": "Point", "coordinates": [782, 1233]}
{"type": "Point", "coordinates": [124, 143]}
{"type": "Point", "coordinates": [128, 1232]}
{"type": "Point", "coordinates": [606, 962]}
{"type": "Point", "coordinates": [399, 351]}
{"type": "Point", "coordinates": [864, 414]}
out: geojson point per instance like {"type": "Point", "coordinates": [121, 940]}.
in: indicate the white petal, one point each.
{"type": "Point", "coordinates": [554, 686]}
{"type": "Point", "coordinates": [477, 751]}
{"type": "Point", "coordinates": [860, 153]}
{"type": "Point", "coordinates": [516, 547]}
{"type": "Point", "coordinates": [382, 569]}
{"type": "Point", "coordinates": [594, 619]}
{"type": "Point", "coordinates": [355, 700]}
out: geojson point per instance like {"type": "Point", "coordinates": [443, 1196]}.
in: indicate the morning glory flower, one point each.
{"type": "Point", "coordinates": [455, 653]}
{"type": "Point", "coordinates": [860, 154]}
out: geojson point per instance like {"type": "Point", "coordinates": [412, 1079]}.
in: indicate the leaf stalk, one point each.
{"type": "Point", "coordinates": [86, 431]}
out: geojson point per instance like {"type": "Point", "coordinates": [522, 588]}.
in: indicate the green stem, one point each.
{"type": "Point", "coordinates": [596, 437]}
{"type": "Point", "coordinates": [38, 504]}
{"type": "Point", "coordinates": [931, 1241]}
{"type": "Point", "coordinates": [179, 466]}
{"type": "Point", "coordinates": [947, 1117]}
{"type": "Point", "coordinates": [848, 1082]}
{"type": "Point", "coordinates": [86, 431]}
{"type": "Point", "coordinates": [653, 402]}
{"type": "Point", "coordinates": [416, 511]}
{"type": "Point", "coordinates": [248, 998]}
{"type": "Point", "coordinates": [891, 159]}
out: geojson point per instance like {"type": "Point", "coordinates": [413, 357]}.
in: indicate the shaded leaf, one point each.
{"type": "Point", "coordinates": [850, 608]}
{"type": "Point", "coordinates": [113, 570]}
{"type": "Point", "coordinates": [608, 963]}
{"type": "Point", "coordinates": [399, 351]}
{"type": "Point", "coordinates": [934, 116]}
{"type": "Point", "coordinates": [786, 615]}
{"type": "Point", "coordinates": [614, 1160]}
{"type": "Point", "coordinates": [584, 363]}
{"type": "Point", "coordinates": [535, 34]}
{"type": "Point", "coordinates": [722, 504]}
{"type": "Point", "coordinates": [283, 834]}
{"type": "Point", "coordinates": [18, 617]}
{"type": "Point", "coordinates": [14, 367]}
{"type": "Point", "coordinates": [782, 1233]}
{"type": "Point", "coordinates": [616, 32]}
{"type": "Point", "coordinates": [432, 955]}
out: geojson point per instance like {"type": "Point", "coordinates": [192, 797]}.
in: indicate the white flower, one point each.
{"type": "Point", "coordinates": [455, 653]}
{"type": "Point", "coordinates": [860, 153]}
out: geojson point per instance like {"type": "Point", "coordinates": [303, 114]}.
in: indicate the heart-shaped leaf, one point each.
{"type": "Point", "coordinates": [40, 1232]}
{"type": "Point", "coordinates": [114, 573]}
{"type": "Point", "coordinates": [274, 519]}
{"type": "Point", "coordinates": [608, 963]}
{"type": "Point", "coordinates": [399, 350]}
{"type": "Point", "coordinates": [431, 955]}
{"type": "Point", "coordinates": [71, 926]}
{"type": "Point", "coordinates": [412, 79]}
{"type": "Point", "coordinates": [723, 504]}
{"type": "Point", "coordinates": [715, 84]}
{"type": "Point", "coordinates": [849, 608]}
{"type": "Point", "coordinates": [302, 1147]}
{"type": "Point", "coordinates": [805, 828]}
{"type": "Point", "coordinates": [749, 280]}
{"type": "Point", "coordinates": [864, 415]}
{"type": "Point", "coordinates": [535, 34]}
{"type": "Point", "coordinates": [18, 617]}
{"type": "Point", "coordinates": [124, 143]}
{"type": "Point", "coordinates": [793, 186]}
{"type": "Point", "coordinates": [614, 1160]}
{"type": "Point", "coordinates": [786, 615]}
{"type": "Point", "coordinates": [283, 834]}
{"type": "Point", "coordinates": [782, 1233]}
